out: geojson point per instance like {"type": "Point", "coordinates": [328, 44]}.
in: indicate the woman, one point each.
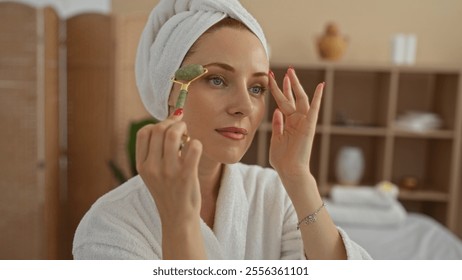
{"type": "Point", "coordinates": [199, 202]}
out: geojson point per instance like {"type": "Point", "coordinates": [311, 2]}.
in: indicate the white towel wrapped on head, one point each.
{"type": "Point", "coordinates": [172, 28]}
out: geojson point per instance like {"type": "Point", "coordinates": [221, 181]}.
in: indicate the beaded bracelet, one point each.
{"type": "Point", "coordinates": [311, 218]}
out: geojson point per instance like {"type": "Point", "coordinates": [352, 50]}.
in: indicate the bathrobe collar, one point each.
{"type": "Point", "coordinates": [229, 235]}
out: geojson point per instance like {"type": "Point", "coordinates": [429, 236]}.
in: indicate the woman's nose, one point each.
{"type": "Point", "coordinates": [241, 102]}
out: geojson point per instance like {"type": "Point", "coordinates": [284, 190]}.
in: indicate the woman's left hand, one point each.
{"type": "Point", "coordinates": [294, 127]}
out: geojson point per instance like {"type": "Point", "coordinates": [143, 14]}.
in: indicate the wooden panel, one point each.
{"type": "Point", "coordinates": [18, 42]}
{"type": "Point", "coordinates": [127, 102]}
{"type": "Point", "coordinates": [458, 218]}
{"type": "Point", "coordinates": [51, 136]}
{"type": "Point", "coordinates": [102, 102]}
{"type": "Point", "coordinates": [28, 116]}
{"type": "Point", "coordinates": [18, 146]}
{"type": "Point", "coordinates": [90, 112]}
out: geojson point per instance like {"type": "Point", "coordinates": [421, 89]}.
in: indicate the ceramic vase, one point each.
{"type": "Point", "coordinates": [331, 45]}
{"type": "Point", "coordinates": [349, 166]}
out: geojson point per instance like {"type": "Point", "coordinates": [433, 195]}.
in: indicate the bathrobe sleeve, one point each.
{"type": "Point", "coordinates": [353, 250]}
{"type": "Point", "coordinates": [122, 225]}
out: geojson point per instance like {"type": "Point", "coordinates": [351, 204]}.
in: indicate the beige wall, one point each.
{"type": "Point", "coordinates": [292, 26]}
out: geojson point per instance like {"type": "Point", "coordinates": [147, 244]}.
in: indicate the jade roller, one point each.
{"type": "Point", "coordinates": [185, 76]}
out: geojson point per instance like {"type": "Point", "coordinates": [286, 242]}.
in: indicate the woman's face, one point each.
{"type": "Point", "coordinates": [224, 108]}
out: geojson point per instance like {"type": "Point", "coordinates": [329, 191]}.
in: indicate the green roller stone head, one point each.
{"type": "Point", "coordinates": [185, 76]}
{"type": "Point", "coordinates": [189, 72]}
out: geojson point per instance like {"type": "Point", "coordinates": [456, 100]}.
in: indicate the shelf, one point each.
{"type": "Point", "coordinates": [423, 196]}
{"type": "Point", "coordinates": [357, 130]}
{"type": "Point", "coordinates": [433, 92]}
{"type": "Point", "coordinates": [267, 126]}
{"type": "Point", "coordinates": [436, 134]}
{"type": "Point", "coordinates": [367, 90]}
{"type": "Point", "coordinates": [415, 195]}
{"type": "Point", "coordinates": [373, 153]}
{"type": "Point", "coordinates": [427, 160]}
{"type": "Point", "coordinates": [359, 109]}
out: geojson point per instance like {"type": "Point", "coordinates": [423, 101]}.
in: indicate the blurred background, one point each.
{"type": "Point", "coordinates": [68, 98]}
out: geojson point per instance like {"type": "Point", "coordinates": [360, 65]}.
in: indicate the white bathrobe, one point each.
{"type": "Point", "coordinates": [254, 219]}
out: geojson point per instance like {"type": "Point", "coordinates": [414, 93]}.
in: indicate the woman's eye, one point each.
{"type": "Point", "coordinates": [217, 81]}
{"type": "Point", "coordinates": [257, 90]}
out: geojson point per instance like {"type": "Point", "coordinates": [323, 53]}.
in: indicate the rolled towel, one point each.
{"type": "Point", "coordinates": [359, 215]}
{"type": "Point", "coordinates": [384, 195]}
{"type": "Point", "coordinates": [172, 28]}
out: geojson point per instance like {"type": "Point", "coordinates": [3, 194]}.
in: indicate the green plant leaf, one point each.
{"type": "Point", "coordinates": [134, 127]}
{"type": "Point", "coordinates": [117, 172]}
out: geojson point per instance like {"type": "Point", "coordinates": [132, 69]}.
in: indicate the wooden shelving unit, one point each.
{"type": "Point", "coordinates": [371, 97]}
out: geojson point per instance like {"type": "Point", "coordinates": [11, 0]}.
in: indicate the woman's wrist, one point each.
{"type": "Point", "coordinates": [178, 222]}
{"type": "Point", "coordinates": [183, 240]}
{"type": "Point", "coordinates": [296, 184]}
{"type": "Point", "coordinates": [303, 192]}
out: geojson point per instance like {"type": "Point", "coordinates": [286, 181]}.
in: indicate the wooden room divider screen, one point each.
{"type": "Point", "coordinates": [102, 102]}
{"type": "Point", "coordinates": [54, 156]}
{"type": "Point", "coordinates": [29, 204]}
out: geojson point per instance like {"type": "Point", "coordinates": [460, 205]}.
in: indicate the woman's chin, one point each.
{"type": "Point", "coordinates": [229, 158]}
{"type": "Point", "coordinates": [225, 155]}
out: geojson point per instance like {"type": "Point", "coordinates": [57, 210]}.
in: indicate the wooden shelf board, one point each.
{"type": "Point", "coordinates": [375, 67]}
{"type": "Point", "coordinates": [438, 134]}
{"type": "Point", "coordinates": [423, 195]}
{"type": "Point", "coordinates": [375, 131]}
{"type": "Point", "coordinates": [266, 126]}
{"type": "Point", "coordinates": [358, 130]}
{"type": "Point", "coordinates": [417, 195]}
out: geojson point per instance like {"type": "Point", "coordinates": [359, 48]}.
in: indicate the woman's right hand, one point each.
{"type": "Point", "coordinates": [171, 175]}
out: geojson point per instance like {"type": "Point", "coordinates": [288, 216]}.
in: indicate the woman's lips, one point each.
{"type": "Point", "coordinates": [234, 133]}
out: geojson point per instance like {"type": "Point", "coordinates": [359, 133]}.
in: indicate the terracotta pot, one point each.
{"type": "Point", "coordinates": [331, 45]}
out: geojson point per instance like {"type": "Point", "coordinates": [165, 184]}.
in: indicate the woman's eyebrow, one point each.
{"type": "Point", "coordinates": [221, 65]}
{"type": "Point", "coordinates": [231, 68]}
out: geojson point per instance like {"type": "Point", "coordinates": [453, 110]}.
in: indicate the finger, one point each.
{"type": "Point", "coordinates": [316, 105]}
{"type": "Point", "coordinates": [192, 154]}
{"type": "Point", "coordinates": [277, 124]}
{"type": "Point", "coordinates": [177, 114]}
{"type": "Point", "coordinates": [172, 143]}
{"type": "Point", "coordinates": [301, 98]}
{"type": "Point", "coordinates": [287, 90]}
{"type": "Point", "coordinates": [143, 137]}
{"type": "Point", "coordinates": [281, 100]}
{"type": "Point", "coordinates": [156, 143]}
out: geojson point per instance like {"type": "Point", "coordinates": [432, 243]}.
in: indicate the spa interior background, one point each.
{"type": "Point", "coordinates": [55, 149]}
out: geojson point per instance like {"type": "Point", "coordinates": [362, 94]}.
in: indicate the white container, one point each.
{"type": "Point", "coordinates": [411, 47]}
{"type": "Point", "coordinates": [349, 166]}
{"type": "Point", "coordinates": [398, 48]}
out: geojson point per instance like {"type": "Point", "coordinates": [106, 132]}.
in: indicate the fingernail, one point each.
{"type": "Point", "coordinates": [271, 74]}
{"type": "Point", "coordinates": [291, 68]}
{"type": "Point", "coordinates": [178, 112]}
